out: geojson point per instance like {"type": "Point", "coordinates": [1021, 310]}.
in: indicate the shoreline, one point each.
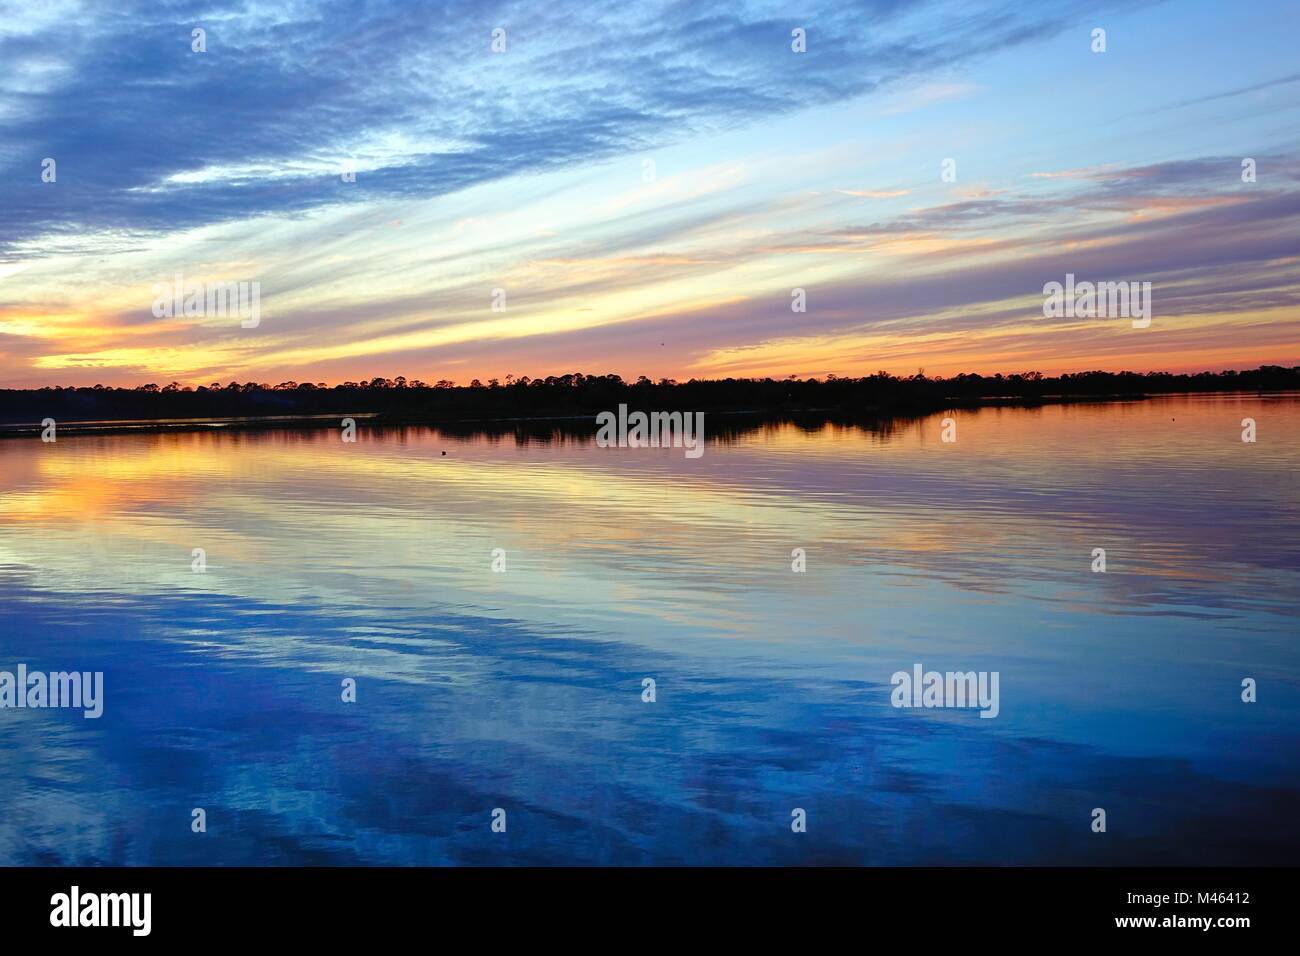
{"type": "Point", "coordinates": [379, 419]}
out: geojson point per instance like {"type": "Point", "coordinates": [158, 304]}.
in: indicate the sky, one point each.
{"type": "Point", "coordinates": [640, 188]}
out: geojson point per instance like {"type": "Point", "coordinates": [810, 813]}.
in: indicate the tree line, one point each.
{"type": "Point", "coordinates": [402, 399]}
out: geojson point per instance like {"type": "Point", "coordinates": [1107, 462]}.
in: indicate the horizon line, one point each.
{"type": "Point", "coordinates": [512, 381]}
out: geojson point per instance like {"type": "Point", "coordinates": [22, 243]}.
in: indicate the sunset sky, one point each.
{"type": "Point", "coordinates": [647, 183]}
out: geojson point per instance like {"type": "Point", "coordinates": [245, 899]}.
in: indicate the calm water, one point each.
{"type": "Point", "coordinates": [523, 690]}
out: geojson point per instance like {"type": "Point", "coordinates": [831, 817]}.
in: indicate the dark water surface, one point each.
{"type": "Point", "coordinates": [522, 690]}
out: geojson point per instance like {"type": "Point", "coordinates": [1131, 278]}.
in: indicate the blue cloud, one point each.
{"type": "Point", "coordinates": [150, 136]}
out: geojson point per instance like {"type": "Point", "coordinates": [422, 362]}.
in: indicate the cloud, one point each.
{"type": "Point", "coordinates": [150, 137]}
{"type": "Point", "coordinates": [874, 193]}
{"type": "Point", "coordinates": [478, 169]}
{"type": "Point", "coordinates": [925, 95]}
{"type": "Point", "coordinates": [1238, 91]}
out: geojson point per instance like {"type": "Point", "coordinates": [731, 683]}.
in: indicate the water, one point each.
{"type": "Point", "coordinates": [522, 690]}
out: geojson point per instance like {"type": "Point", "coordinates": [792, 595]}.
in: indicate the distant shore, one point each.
{"type": "Point", "coordinates": [558, 401]}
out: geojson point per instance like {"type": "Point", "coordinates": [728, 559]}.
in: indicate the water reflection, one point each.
{"type": "Point", "coordinates": [523, 690]}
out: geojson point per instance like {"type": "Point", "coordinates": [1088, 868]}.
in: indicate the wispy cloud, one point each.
{"type": "Point", "coordinates": [524, 171]}
{"type": "Point", "coordinates": [150, 136]}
